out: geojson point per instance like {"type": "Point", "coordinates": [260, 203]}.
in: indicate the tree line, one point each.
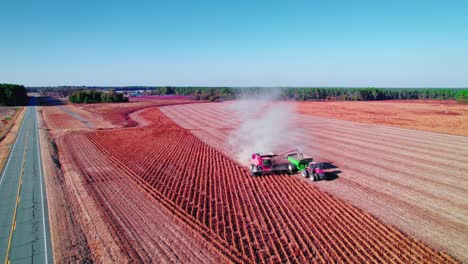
{"type": "Point", "coordinates": [462, 96]}
{"type": "Point", "coordinates": [287, 93]}
{"type": "Point", "coordinates": [13, 94]}
{"type": "Point", "coordinates": [305, 94]}
{"type": "Point", "coordinates": [368, 94]}
{"type": "Point", "coordinates": [93, 96]}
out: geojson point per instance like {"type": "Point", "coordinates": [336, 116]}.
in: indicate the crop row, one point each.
{"type": "Point", "coordinates": [143, 232]}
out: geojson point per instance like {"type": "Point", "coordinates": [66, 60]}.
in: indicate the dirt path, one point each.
{"type": "Point", "coordinates": [56, 119]}
{"type": "Point", "coordinates": [94, 120]}
{"type": "Point", "coordinates": [413, 179]}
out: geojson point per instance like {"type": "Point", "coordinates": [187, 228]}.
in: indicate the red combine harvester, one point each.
{"type": "Point", "coordinates": [267, 164]}
{"type": "Point", "coordinates": [270, 163]}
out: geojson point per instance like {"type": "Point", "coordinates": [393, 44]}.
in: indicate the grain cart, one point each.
{"type": "Point", "coordinates": [306, 166]}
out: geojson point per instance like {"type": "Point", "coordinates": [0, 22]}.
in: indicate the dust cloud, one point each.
{"type": "Point", "coordinates": [266, 125]}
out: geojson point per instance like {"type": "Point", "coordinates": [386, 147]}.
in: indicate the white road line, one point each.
{"type": "Point", "coordinates": [42, 193]}
{"type": "Point", "coordinates": [14, 147]}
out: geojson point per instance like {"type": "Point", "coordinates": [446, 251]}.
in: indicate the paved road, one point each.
{"type": "Point", "coordinates": [24, 225]}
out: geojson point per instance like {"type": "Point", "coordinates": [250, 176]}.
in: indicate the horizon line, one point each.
{"type": "Point", "coordinates": [224, 86]}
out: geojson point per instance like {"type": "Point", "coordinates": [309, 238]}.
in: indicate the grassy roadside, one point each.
{"type": "Point", "coordinates": [8, 135]}
{"type": "Point", "coordinates": [11, 122]}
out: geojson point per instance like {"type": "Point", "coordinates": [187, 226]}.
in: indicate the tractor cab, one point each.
{"type": "Point", "coordinates": [315, 165]}
{"type": "Point", "coordinates": [316, 170]}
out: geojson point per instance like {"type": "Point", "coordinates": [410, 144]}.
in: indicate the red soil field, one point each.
{"type": "Point", "coordinates": [138, 174]}
{"type": "Point", "coordinates": [123, 224]}
{"type": "Point", "coordinates": [412, 179]}
{"type": "Point", "coordinates": [437, 116]}
{"type": "Point", "coordinates": [70, 206]}
{"type": "Point", "coordinates": [102, 115]}
{"type": "Point", "coordinates": [57, 119]}
{"type": "Point", "coordinates": [118, 113]}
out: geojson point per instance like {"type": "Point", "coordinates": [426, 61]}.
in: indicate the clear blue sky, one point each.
{"type": "Point", "coordinates": [395, 43]}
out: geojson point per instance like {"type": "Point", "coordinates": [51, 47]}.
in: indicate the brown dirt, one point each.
{"type": "Point", "coordinates": [104, 246]}
{"type": "Point", "coordinates": [447, 117]}
{"type": "Point", "coordinates": [69, 244]}
{"type": "Point", "coordinates": [56, 119]}
{"type": "Point", "coordinates": [131, 206]}
{"type": "Point", "coordinates": [142, 228]}
{"type": "Point", "coordinates": [407, 178]}
{"type": "Point", "coordinates": [82, 228]}
{"type": "Point", "coordinates": [8, 136]}
{"type": "Point", "coordinates": [98, 121]}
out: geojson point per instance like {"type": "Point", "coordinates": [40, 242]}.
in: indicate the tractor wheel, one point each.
{"type": "Point", "coordinates": [305, 173]}
{"type": "Point", "coordinates": [323, 176]}
{"type": "Point", "coordinates": [314, 177]}
{"type": "Point", "coordinates": [291, 168]}
{"type": "Point", "coordinates": [257, 171]}
{"type": "Point", "coordinates": [253, 170]}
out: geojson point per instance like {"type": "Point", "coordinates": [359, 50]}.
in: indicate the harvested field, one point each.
{"type": "Point", "coordinates": [447, 117]}
{"type": "Point", "coordinates": [412, 179]}
{"type": "Point", "coordinates": [60, 116]}
{"type": "Point", "coordinates": [118, 113]}
{"type": "Point", "coordinates": [77, 210]}
{"type": "Point", "coordinates": [228, 214]}
{"type": "Point", "coordinates": [129, 226]}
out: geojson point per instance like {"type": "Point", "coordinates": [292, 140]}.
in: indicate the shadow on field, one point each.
{"type": "Point", "coordinates": [332, 171]}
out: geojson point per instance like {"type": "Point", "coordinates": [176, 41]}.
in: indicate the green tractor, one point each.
{"type": "Point", "coordinates": [305, 165]}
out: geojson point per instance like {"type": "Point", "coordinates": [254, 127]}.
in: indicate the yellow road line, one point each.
{"type": "Point", "coordinates": [20, 183]}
